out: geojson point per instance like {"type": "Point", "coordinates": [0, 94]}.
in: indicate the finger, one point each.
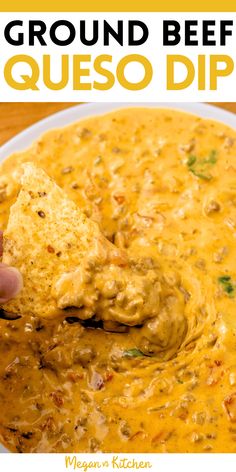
{"type": "Point", "coordinates": [1, 243]}
{"type": "Point", "coordinates": [10, 283]}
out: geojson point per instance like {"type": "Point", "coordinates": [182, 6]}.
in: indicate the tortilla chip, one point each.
{"type": "Point", "coordinates": [46, 238]}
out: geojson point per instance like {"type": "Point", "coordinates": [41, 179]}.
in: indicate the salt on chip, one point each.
{"type": "Point", "coordinates": [48, 236]}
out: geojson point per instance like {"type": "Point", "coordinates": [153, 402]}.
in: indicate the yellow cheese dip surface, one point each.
{"type": "Point", "coordinates": [162, 185]}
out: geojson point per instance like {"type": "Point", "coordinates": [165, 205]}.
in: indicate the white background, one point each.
{"type": "Point", "coordinates": [152, 49]}
{"type": "Point", "coordinates": [159, 462]}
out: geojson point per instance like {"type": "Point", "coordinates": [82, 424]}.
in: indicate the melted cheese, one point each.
{"type": "Point", "coordinates": [161, 185]}
{"type": "Point", "coordinates": [65, 260]}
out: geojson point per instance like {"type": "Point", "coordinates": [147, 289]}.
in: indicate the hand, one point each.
{"type": "Point", "coordinates": [10, 279]}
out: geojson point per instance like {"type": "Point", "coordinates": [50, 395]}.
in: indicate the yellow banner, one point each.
{"type": "Point", "coordinates": [121, 5]}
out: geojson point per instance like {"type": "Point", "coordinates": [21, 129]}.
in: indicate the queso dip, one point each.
{"type": "Point", "coordinates": [161, 184]}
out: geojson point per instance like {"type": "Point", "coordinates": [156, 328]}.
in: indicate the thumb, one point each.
{"type": "Point", "coordinates": [10, 283]}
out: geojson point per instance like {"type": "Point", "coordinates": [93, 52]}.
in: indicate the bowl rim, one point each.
{"type": "Point", "coordinates": [60, 119]}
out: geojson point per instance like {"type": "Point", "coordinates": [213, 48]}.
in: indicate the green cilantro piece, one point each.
{"type": "Point", "coordinates": [200, 175]}
{"type": "Point", "coordinates": [191, 160]}
{"type": "Point", "coordinates": [212, 158]}
{"type": "Point", "coordinates": [224, 278]}
{"type": "Point", "coordinates": [227, 284]}
{"type": "Point", "coordinates": [133, 353]}
{"type": "Point", "coordinates": [200, 167]}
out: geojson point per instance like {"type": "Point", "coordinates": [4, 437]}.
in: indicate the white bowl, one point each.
{"type": "Point", "coordinates": [24, 139]}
